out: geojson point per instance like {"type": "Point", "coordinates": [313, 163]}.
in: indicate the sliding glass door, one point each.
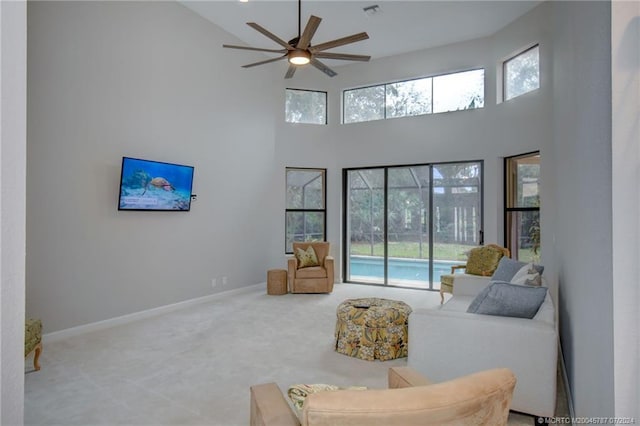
{"type": "Point", "coordinates": [407, 231]}
{"type": "Point", "coordinates": [406, 225]}
{"type": "Point", "coordinates": [457, 214]}
{"type": "Point", "coordinates": [365, 220]}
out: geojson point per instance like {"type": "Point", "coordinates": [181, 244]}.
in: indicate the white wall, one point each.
{"type": "Point", "coordinates": [625, 105]}
{"type": "Point", "coordinates": [489, 134]}
{"type": "Point", "coordinates": [13, 134]}
{"type": "Point", "coordinates": [583, 236]}
{"type": "Point", "coordinates": [147, 80]}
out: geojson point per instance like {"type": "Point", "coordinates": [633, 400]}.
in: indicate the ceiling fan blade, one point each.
{"type": "Point", "coordinates": [342, 56]}
{"type": "Point", "coordinates": [339, 42]}
{"type": "Point", "coordinates": [258, 49]}
{"type": "Point", "coordinates": [270, 35]}
{"type": "Point", "coordinates": [264, 62]}
{"type": "Point", "coordinates": [290, 71]}
{"type": "Point", "coordinates": [322, 67]}
{"type": "Point", "coordinates": [309, 31]}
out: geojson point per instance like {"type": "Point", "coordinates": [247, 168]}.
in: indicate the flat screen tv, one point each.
{"type": "Point", "coordinates": [153, 185]}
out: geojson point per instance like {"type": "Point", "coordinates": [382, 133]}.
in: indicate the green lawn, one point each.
{"type": "Point", "coordinates": [527, 255]}
{"type": "Point", "coordinates": [411, 250]}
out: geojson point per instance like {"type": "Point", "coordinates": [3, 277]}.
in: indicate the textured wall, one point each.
{"type": "Point", "coordinates": [146, 80]}
{"type": "Point", "coordinates": [13, 87]}
{"type": "Point", "coordinates": [625, 104]}
{"type": "Point", "coordinates": [583, 185]}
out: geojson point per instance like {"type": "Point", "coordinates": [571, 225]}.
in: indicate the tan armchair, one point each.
{"type": "Point", "coordinates": [482, 398]}
{"type": "Point", "coordinates": [481, 263]}
{"type": "Point", "coordinates": [312, 279]}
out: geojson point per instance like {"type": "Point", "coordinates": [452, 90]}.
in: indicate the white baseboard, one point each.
{"type": "Point", "coordinates": [136, 316]}
{"type": "Point", "coordinates": [565, 379]}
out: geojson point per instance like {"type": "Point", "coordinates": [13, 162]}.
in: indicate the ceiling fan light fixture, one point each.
{"type": "Point", "coordinates": [299, 52]}
{"type": "Point", "coordinates": [299, 57]}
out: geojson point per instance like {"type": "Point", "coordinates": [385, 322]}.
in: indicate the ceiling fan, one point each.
{"type": "Point", "coordinates": [299, 51]}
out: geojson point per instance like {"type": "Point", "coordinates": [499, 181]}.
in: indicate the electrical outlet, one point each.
{"type": "Point", "coordinates": [214, 282]}
{"type": "Point", "coordinates": [225, 280]}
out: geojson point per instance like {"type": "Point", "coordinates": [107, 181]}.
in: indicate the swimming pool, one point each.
{"type": "Point", "coordinates": [372, 267]}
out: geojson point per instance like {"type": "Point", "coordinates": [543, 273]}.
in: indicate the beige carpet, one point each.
{"type": "Point", "coordinates": [195, 366]}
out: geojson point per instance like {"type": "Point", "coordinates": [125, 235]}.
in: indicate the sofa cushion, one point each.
{"type": "Point", "coordinates": [483, 260]}
{"type": "Point", "coordinates": [306, 258]}
{"type": "Point", "coordinates": [508, 300]}
{"type": "Point", "coordinates": [547, 312]}
{"type": "Point", "coordinates": [457, 304]}
{"type": "Point", "coordinates": [311, 272]}
{"type": "Point", "coordinates": [508, 268]}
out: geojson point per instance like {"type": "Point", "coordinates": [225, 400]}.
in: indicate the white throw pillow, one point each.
{"type": "Point", "coordinates": [527, 275]}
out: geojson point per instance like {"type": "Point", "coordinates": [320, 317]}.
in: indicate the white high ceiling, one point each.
{"type": "Point", "coordinates": [398, 27]}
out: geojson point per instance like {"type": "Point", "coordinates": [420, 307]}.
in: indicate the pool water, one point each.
{"type": "Point", "coordinates": [399, 268]}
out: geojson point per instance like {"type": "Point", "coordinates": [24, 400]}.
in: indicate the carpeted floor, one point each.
{"type": "Point", "coordinates": [194, 366]}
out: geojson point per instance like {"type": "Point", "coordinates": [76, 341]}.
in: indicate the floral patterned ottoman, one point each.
{"type": "Point", "coordinates": [372, 328]}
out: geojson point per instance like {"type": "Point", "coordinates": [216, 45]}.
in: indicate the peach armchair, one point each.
{"type": "Point", "coordinates": [313, 279]}
{"type": "Point", "coordinates": [481, 399]}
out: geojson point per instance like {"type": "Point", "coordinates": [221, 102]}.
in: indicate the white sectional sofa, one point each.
{"type": "Point", "coordinates": [448, 342]}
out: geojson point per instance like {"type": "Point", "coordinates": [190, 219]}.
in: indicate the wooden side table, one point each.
{"type": "Point", "coordinates": [277, 281]}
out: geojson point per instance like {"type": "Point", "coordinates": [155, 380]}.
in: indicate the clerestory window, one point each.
{"type": "Point", "coordinates": [442, 93]}
{"type": "Point", "coordinates": [305, 106]}
{"type": "Point", "coordinates": [521, 73]}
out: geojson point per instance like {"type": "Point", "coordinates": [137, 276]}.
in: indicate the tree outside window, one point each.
{"type": "Point", "coordinates": [365, 104]}
{"type": "Point", "coordinates": [305, 106]}
{"type": "Point", "coordinates": [522, 73]}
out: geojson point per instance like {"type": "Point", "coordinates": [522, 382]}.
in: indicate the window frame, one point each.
{"type": "Point", "coordinates": [432, 77]}
{"type": "Point", "coordinates": [504, 71]}
{"type": "Point", "coordinates": [323, 172]}
{"type": "Point", "coordinates": [429, 223]}
{"type": "Point", "coordinates": [510, 194]}
{"type": "Point", "coordinates": [326, 106]}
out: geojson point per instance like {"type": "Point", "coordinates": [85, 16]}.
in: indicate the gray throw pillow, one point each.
{"type": "Point", "coordinates": [508, 267]}
{"type": "Point", "coordinates": [508, 300]}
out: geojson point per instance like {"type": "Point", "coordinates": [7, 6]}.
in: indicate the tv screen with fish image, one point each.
{"type": "Point", "coordinates": [153, 185]}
